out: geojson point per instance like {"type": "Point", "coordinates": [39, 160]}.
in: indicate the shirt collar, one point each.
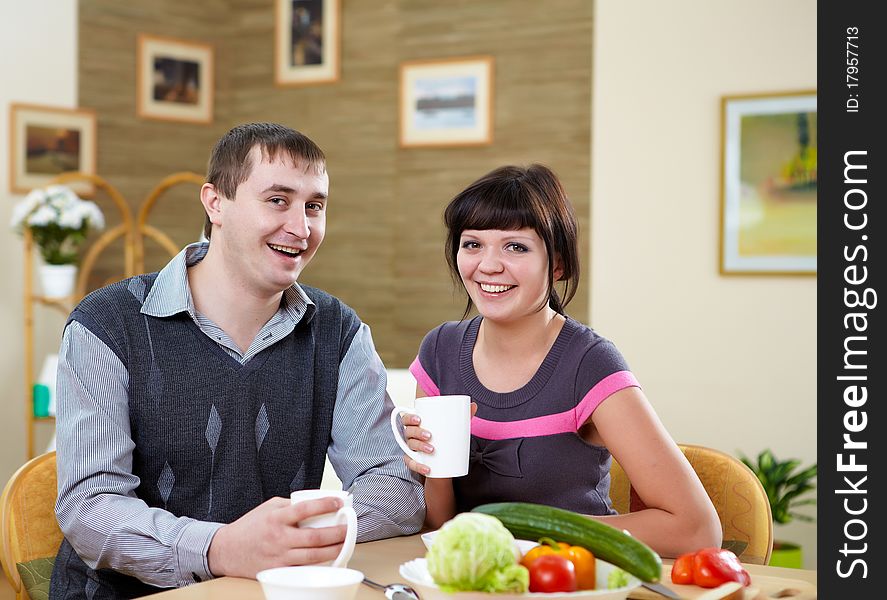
{"type": "Point", "coordinates": [171, 293]}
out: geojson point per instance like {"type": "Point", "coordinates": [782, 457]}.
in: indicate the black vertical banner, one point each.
{"type": "Point", "coordinates": [852, 370]}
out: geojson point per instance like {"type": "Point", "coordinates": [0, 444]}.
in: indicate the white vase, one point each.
{"type": "Point", "coordinates": [57, 281]}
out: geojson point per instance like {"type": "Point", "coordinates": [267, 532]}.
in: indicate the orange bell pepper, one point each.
{"type": "Point", "coordinates": [583, 560]}
{"type": "Point", "coordinates": [682, 569]}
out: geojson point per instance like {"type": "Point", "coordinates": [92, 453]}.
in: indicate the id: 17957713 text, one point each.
{"type": "Point", "coordinates": [852, 76]}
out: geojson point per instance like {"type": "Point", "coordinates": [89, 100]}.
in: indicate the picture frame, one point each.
{"type": "Point", "coordinates": [307, 42]}
{"type": "Point", "coordinates": [45, 141]}
{"type": "Point", "coordinates": [175, 80]}
{"type": "Point", "coordinates": [768, 184]}
{"type": "Point", "coordinates": [446, 102]}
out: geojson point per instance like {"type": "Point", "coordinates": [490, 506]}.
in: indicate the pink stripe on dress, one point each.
{"type": "Point", "coordinates": [501, 430]}
{"type": "Point", "coordinates": [601, 391]}
{"type": "Point", "coordinates": [423, 379]}
{"type": "Point", "coordinates": [568, 421]}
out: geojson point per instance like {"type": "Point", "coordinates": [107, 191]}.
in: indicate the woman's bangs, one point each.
{"type": "Point", "coordinates": [503, 213]}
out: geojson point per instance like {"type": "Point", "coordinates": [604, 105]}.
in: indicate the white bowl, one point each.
{"type": "Point", "coordinates": [310, 583]}
{"type": "Point", "coordinates": [523, 546]}
{"type": "Point", "coordinates": [416, 573]}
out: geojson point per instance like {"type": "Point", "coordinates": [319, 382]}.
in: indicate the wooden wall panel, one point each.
{"type": "Point", "coordinates": [383, 252]}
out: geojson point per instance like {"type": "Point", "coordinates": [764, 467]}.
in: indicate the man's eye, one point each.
{"type": "Point", "coordinates": [314, 206]}
{"type": "Point", "coordinates": [278, 200]}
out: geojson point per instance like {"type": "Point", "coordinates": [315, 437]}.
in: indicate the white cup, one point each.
{"type": "Point", "coordinates": [343, 516]}
{"type": "Point", "coordinates": [448, 418]}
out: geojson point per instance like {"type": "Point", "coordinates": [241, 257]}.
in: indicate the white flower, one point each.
{"type": "Point", "coordinates": [21, 210]}
{"type": "Point", "coordinates": [56, 204]}
{"type": "Point", "coordinates": [94, 215]}
{"type": "Point", "coordinates": [42, 216]}
{"type": "Point", "coordinates": [71, 217]}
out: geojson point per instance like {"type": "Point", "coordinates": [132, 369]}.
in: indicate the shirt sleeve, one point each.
{"type": "Point", "coordinates": [602, 372]}
{"type": "Point", "coordinates": [387, 497]}
{"type": "Point", "coordinates": [424, 367]}
{"type": "Point", "coordinates": [97, 508]}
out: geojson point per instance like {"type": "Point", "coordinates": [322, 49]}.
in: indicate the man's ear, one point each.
{"type": "Point", "coordinates": [212, 203]}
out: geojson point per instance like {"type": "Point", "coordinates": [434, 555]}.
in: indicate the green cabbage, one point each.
{"type": "Point", "coordinates": [474, 552]}
{"type": "Point", "coordinates": [617, 579]}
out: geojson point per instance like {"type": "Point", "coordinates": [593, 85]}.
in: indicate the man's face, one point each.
{"type": "Point", "coordinates": [271, 229]}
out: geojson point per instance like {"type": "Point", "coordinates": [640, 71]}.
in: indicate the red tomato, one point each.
{"type": "Point", "coordinates": [552, 573]}
{"type": "Point", "coordinates": [682, 569]}
{"type": "Point", "coordinates": [714, 566]}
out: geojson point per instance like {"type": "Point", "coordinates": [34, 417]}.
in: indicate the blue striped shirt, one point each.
{"type": "Point", "coordinates": [97, 508]}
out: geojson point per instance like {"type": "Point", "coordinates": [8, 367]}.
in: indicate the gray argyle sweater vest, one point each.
{"type": "Point", "coordinates": [213, 438]}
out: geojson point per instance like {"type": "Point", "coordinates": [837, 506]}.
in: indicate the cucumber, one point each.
{"type": "Point", "coordinates": [533, 521]}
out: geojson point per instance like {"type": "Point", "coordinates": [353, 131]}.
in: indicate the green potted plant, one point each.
{"type": "Point", "coordinates": [787, 489]}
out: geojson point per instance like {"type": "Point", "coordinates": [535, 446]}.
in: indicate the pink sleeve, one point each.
{"type": "Point", "coordinates": [600, 392]}
{"type": "Point", "coordinates": [423, 379]}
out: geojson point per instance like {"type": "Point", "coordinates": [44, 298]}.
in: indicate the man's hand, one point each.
{"type": "Point", "coordinates": [268, 536]}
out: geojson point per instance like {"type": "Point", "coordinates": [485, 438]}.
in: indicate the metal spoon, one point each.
{"type": "Point", "coordinates": [394, 591]}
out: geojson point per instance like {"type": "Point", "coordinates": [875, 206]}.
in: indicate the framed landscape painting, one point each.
{"type": "Point", "coordinates": [175, 80]}
{"type": "Point", "coordinates": [307, 41]}
{"type": "Point", "coordinates": [446, 102]}
{"type": "Point", "coordinates": [769, 184]}
{"type": "Point", "coordinates": [45, 141]}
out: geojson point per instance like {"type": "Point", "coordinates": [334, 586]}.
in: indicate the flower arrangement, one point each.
{"type": "Point", "coordinates": [59, 222]}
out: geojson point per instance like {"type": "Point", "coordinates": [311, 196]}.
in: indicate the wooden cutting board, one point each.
{"type": "Point", "coordinates": [763, 587]}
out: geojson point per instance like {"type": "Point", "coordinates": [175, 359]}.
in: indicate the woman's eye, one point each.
{"type": "Point", "coordinates": [515, 247]}
{"type": "Point", "coordinates": [470, 245]}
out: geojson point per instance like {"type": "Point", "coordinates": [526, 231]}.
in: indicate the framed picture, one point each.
{"type": "Point", "coordinates": [45, 141]}
{"type": "Point", "coordinates": [175, 80]}
{"type": "Point", "coordinates": [447, 102]}
{"type": "Point", "coordinates": [768, 184]}
{"type": "Point", "coordinates": [306, 41]}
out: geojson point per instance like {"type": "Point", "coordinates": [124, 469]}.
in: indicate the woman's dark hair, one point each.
{"type": "Point", "coordinates": [511, 198]}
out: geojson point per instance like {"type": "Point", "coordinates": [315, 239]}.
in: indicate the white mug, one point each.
{"type": "Point", "coordinates": [448, 418]}
{"type": "Point", "coordinates": [343, 516]}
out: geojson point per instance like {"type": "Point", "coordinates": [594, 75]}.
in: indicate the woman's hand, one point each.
{"type": "Point", "coordinates": [419, 439]}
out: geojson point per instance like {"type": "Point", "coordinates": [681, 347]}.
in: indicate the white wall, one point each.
{"type": "Point", "coordinates": [38, 64]}
{"type": "Point", "coordinates": [727, 362]}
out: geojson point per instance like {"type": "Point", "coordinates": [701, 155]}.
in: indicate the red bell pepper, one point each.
{"type": "Point", "coordinates": [709, 568]}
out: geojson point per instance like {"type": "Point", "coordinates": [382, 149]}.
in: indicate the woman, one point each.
{"type": "Point", "coordinates": [554, 400]}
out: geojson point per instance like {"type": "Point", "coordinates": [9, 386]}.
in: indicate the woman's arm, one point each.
{"type": "Point", "coordinates": [440, 502]}
{"type": "Point", "coordinates": [679, 516]}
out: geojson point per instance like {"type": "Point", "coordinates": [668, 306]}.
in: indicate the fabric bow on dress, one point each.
{"type": "Point", "coordinates": [499, 456]}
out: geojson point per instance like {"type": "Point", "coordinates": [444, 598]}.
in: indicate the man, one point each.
{"type": "Point", "coordinates": [191, 402]}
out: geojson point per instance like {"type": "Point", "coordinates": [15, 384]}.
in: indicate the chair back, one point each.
{"type": "Point", "coordinates": [737, 495]}
{"type": "Point", "coordinates": [28, 525]}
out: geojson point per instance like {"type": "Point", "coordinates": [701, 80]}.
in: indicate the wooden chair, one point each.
{"type": "Point", "coordinates": [27, 522]}
{"type": "Point", "coordinates": [735, 491]}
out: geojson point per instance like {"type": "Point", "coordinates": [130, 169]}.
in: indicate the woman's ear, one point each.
{"type": "Point", "coordinates": [558, 268]}
{"type": "Point", "coordinates": [212, 201]}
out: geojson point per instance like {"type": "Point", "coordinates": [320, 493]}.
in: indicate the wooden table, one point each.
{"type": "Point", "coordinates": [380, 562]}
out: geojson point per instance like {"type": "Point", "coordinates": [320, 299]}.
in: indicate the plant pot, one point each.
{"type": "Point", "coordinates": [786, 554]}
{"type": "Point", "coordinates": [57, 281]}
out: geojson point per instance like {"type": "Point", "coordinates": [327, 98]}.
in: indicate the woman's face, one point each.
{"type": "Point", "coordinates": [504, 271]}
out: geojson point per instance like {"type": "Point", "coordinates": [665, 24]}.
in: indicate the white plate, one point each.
{"type": "Point", "coordinates": [416, 573]}
{"type": "Point", "coordinates": [523, 546]}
